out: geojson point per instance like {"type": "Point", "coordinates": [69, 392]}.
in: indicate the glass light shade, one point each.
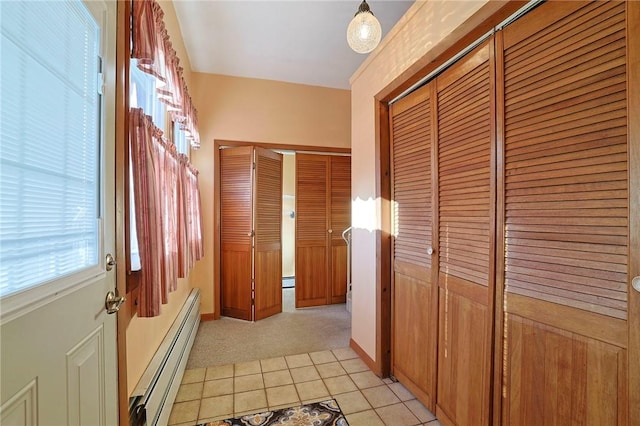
{"type": "Point", "coordinates": [364, 32]}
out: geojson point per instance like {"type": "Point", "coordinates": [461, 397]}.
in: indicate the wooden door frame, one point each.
{"type": "Point", "coordinates": [217, 145]}
{"type": "Point", "coordinates": [123, 46]}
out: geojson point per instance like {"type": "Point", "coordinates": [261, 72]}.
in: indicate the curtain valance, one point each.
{"type": "Point", "coordinates": [156, 56]}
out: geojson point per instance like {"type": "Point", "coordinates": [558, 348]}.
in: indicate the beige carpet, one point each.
{"type": "Point", "coordinates": [294, 331]}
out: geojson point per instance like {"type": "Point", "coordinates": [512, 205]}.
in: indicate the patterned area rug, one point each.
{"type": "Point", "coordinates": [325, 413]}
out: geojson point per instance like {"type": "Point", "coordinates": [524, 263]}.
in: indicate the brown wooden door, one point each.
{"type": "Point", "coordinates": [323, 211]}
{"type": "Point", "coordinates": [236, 225]}
{"type": "Point", "coordinates": [340, 219]}
{"type": "Point", "coordinates": [414, 297]}
{"type": "Point", "coordinates": [565, 217]}
{"type": "Point", "coordinates": [466, 232]}
{"type": "Point", "coordinates": [250, 232]}
{"type": "Point", "coordinates": [268, 233]}
{"type": "Point", "coordinates": [633, 133]}
{"type": "Point", "coordinates": [313, 202]}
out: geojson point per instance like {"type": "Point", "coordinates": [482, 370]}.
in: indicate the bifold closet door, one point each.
{"type": "Point", "coordinates": [236, 227]}
{"type": "Point", "coordinates": [250, 232]}
{"type": "Point", "coordinates": [340, 219]}
{"type": "Point", "coordinates": [414, 297]}
{"type": "Point", "coordinates": [268, 233]}
{"type": "Point", "coordinates": [313, 201]}
{"type": "Point", "coordinates": [566, 216]}
{"type": "Point", "coordinates": [323, 211]}
{"type": "Point", "coordinates": [466, 236]}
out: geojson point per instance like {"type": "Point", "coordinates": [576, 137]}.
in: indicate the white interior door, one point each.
{"type": "Point", "coordinates": [58, 343]}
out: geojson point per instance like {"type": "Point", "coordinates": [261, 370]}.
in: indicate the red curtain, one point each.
{"type": "Point", "coordinates": [146, 193]}
{"type": "Point", "coordinates": [165, 184]}
{"type": "Point", "coordinates": [194, 234]}
{"type": "Point", "coordinates": [167, 207]}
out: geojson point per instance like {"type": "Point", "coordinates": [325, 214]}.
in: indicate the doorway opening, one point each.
{"type": "Point", "coordinates": [288, 230]}
{"type": "Point", "coordinates": [288, 219]}
{"type": "Point", "coordinates": [289, 276]}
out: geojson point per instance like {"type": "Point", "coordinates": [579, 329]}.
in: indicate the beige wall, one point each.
{"type": "Point", "coordinates": [426, 30]}
{"type": "Point", "coordinates": [252, 110]}
{"type": "Point", "coordinates": [288, 223]}
{"type": "Point", "coordinates": [289, 174]}
{"type": "Point", "coordinates": [173, 28]}
{"type": "Point", "coordinates": [144, 335]}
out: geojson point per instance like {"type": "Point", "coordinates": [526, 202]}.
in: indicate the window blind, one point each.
{"type": "Point", "coordinates": [49, 150]}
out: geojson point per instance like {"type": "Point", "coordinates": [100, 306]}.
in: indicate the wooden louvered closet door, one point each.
{"type": "Point", "coordinates": [466, 232]}
{"type": "Point", "coordinates": [236, 225]}
{"type": "Point", "coordinates": [313, 199]}
{"type": "Point", "coordinates": [250, 232]}
{"type": "Point", "coordinates": [566, 215]}
{"type": "Point", "coordinates": [323, 211]}
{"type": "Point", "coordinates": [414, 306]}
{"type": "Point", "coordinates": [268, 233]}
{"type": "Point", "coordinates": [340, 219]}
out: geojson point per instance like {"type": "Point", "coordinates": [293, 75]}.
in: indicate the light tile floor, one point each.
{"type": "Point", "coordinates": [224, 391]}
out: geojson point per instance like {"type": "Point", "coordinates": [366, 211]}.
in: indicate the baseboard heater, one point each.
{"type": "Point", "coordinates": [152, 400]}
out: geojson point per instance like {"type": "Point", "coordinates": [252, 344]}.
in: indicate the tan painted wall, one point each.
{"type": "Point", "coordinates": [426, 30]}
{"type": "Point", "coordinates": [173, 28]}
{"type": "Point", "coordinates": [288, 223]}
{"type": "Point", "coordinates": [144, 335]}
{"type": "Point", "coordinates": [252, 110]}
{"type": "Point", "coordinates": [289, 174]}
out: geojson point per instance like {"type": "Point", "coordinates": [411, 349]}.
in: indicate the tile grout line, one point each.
{"type": "Point", "coordinates": [323, 380]}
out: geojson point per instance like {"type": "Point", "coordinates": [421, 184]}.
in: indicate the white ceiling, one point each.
{"type": "Point", "coordinates": [296, 41]}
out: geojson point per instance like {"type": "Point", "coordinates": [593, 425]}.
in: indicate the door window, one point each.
{"type": "Point", "coordinates": [50, 143]}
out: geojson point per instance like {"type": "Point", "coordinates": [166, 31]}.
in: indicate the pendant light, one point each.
{"type": "Point", "coordinates": [364, 31]}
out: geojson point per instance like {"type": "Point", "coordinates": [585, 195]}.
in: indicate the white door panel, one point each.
{"type": "Point", "coordinates": [58, 354]}
{"type": "Point", "coordinates": [67, 350]}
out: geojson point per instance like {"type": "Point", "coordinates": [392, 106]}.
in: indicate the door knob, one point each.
{"type": "Point", "coordinates": [430, 250]}
{"type": "Point", "coordinates": [635, 283]}
{"type": "Point", "coordinates": [330, 231]}
{"type": "Point", "coordinates": [113, 302]}
{"type": "Point", "coordinates": [110, 262]}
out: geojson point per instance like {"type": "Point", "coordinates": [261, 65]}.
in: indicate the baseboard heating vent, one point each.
{"type": "Point", "coordinates": [152, 400]}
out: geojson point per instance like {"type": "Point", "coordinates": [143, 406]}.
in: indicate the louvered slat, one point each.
{"type": "Point", "coordinates": [464, 140]}
{"type": "Point", "coordinates": [412, 184]}
{"type": "Point", "coordinates": [269, 207]}
{"type": "Point", "coordinates": [340, 195]}
{"type": "Point", "coordinates": [566, 162]}
{"type": "Point", "coordinates": [311, 197]}
{"type": "Point", "coordinates": [235, 194]}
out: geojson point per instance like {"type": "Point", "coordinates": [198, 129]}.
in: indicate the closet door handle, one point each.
{"type": "Point", "coordinates": [330, 231]}
{"type": "Point", "coordinates": [430, 250]}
